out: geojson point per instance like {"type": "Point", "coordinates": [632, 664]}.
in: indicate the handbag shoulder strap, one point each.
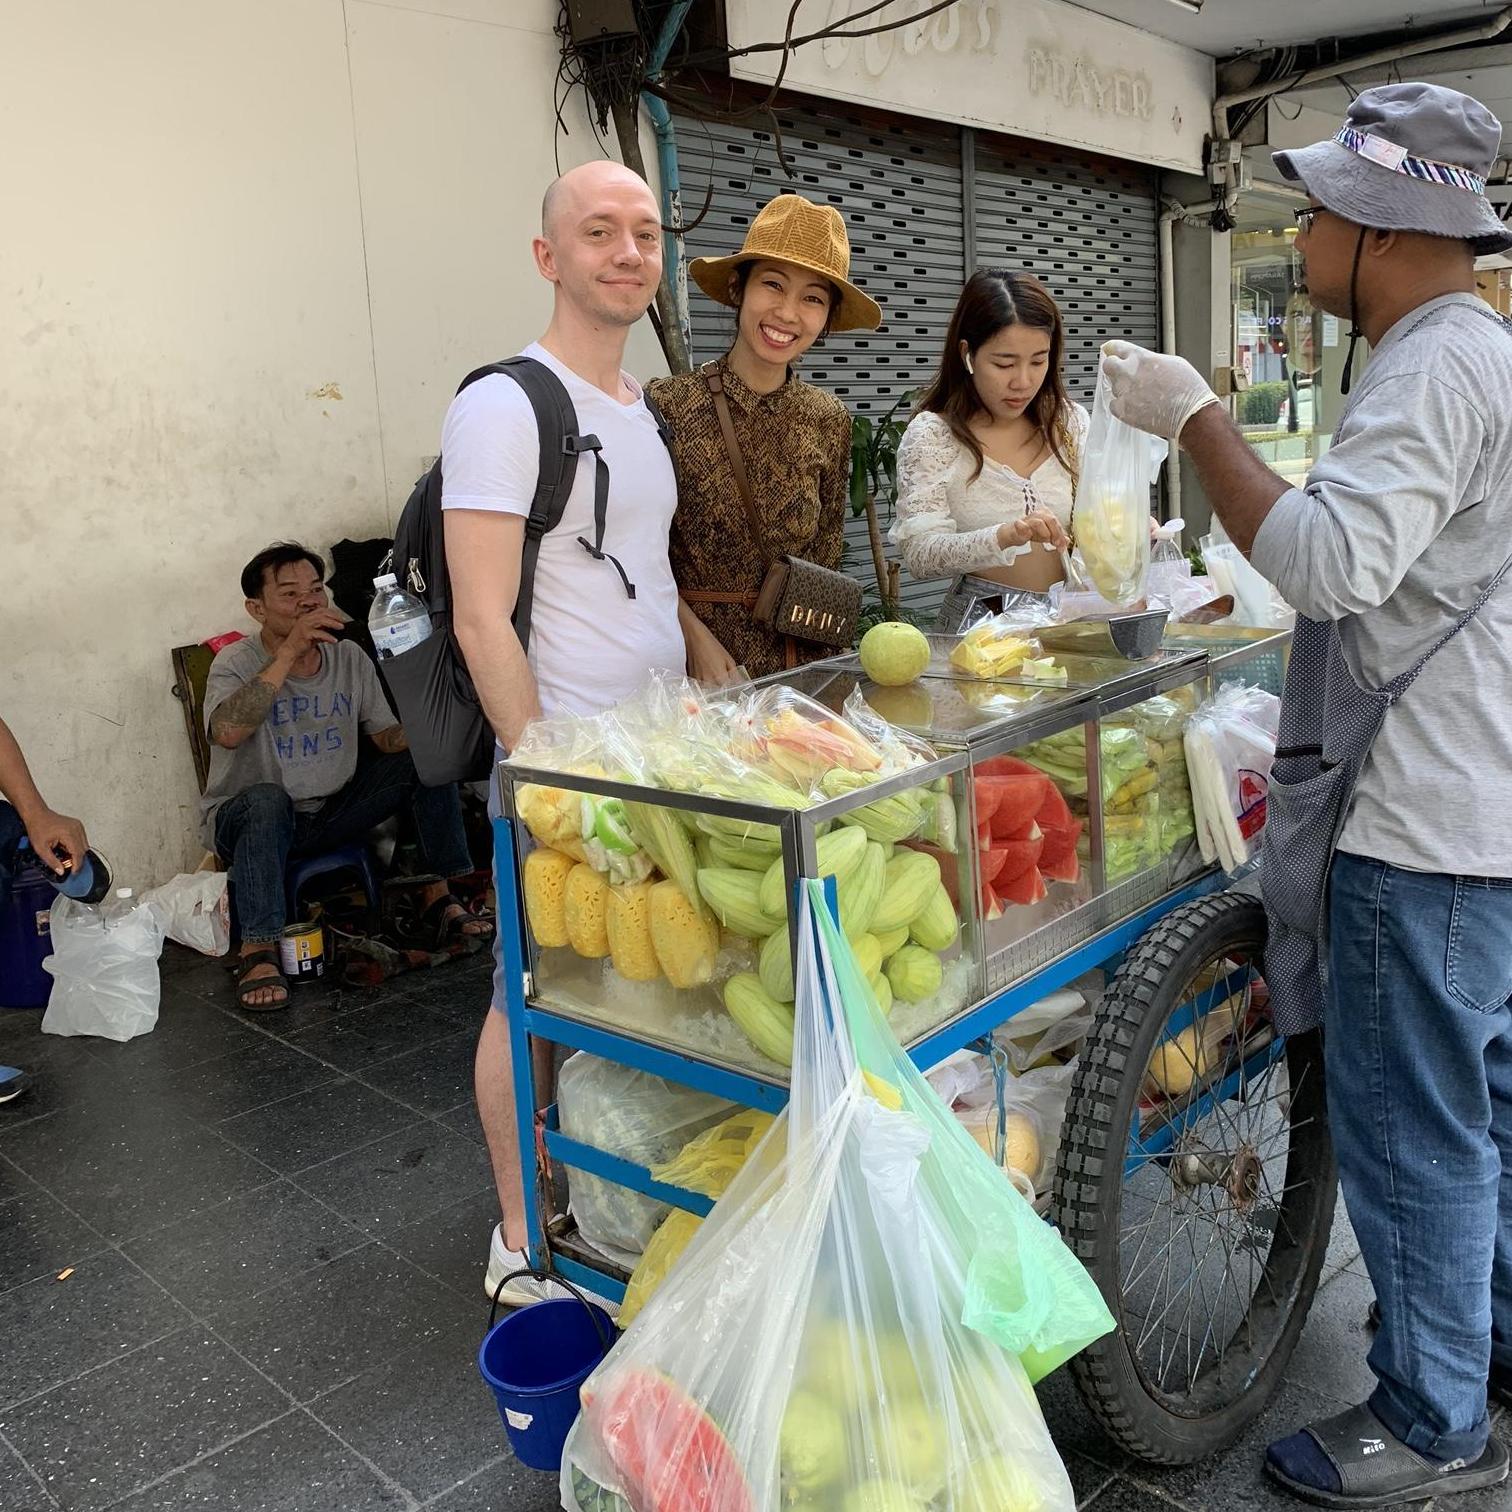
{"type": "Point", "coordinates": [714, 381]}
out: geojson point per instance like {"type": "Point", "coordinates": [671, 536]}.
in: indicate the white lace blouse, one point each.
{"type": "Point", "coordinates": [948, 520]}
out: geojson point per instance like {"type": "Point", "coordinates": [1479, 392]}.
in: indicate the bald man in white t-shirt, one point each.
{"type": "Point", "coordinates": [592, 642]}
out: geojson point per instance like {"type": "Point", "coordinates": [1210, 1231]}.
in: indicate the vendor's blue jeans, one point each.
{"type": "Point", "coordinates": [259, 830]}
{"type": "Point", "coordinates": [1419, 1056]}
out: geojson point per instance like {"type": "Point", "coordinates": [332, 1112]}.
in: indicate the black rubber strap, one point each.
{"type": "Point", "coordinates": [577, 445]}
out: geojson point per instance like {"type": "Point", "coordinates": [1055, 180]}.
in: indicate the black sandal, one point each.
{"type": "Point", "coordinates": [277, 982]}
{"type": "Point", "coordinates": [1376, 1469]}
{"type": "Point", "coordinates": [433, 929]}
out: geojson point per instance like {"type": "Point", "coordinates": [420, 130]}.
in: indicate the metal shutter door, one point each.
{"type": "Point", "coordinates": [900, 194]}
{"type": "Point", "coordinates": [1086, 228]}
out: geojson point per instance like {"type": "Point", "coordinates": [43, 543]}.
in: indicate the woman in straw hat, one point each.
{"type": "Point", "coordinates": [788, 286]}
{"type": "Point", "coordinates": [987, 467]}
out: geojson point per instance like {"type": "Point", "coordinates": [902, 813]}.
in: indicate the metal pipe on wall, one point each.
{"type": "Point", "coordinates": [674, 265]}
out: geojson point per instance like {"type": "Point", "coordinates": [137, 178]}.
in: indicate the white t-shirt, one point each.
{"type": "Point", "coordinates": [591, 645]}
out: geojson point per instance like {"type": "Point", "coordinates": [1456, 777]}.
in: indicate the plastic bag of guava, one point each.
{"type": "Point", "coordinates": [1110, 521]}
{"type": "Point", "coordinates": [857, 1324]}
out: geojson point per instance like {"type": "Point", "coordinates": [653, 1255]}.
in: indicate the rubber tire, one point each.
{"type": "Point", "coordinates": [1087, 1185]}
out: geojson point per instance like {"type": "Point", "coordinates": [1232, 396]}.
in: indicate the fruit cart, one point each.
{"type": "Point", "coordinates": [1049, 835]}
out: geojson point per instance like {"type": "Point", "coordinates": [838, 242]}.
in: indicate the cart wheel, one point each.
{"type": "Point", "coordinates": [1207, 1228]}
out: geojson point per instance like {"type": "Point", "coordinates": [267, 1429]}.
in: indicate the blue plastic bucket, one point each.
{"type": "Point", "coordinates": [534, 1361]}
{"type": "Point", "coordinates": [26, 939]}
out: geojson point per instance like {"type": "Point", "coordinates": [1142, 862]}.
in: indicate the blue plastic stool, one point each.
{"type": "Point", "coordinates": [345, 858]}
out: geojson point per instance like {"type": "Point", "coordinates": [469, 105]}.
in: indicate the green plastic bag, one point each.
{"type": "Point", "coordinates": [1024, 1288]}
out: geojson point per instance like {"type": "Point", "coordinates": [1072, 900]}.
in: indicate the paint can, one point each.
{"type": "Point", "coordinates": [301, 951]}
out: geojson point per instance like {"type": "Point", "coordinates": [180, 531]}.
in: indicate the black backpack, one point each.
{"type": "Point", "coordinates": [448, 733]}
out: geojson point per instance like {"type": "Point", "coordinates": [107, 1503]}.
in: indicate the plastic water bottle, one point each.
{"type": "Point", "coordinates": [398, 621]}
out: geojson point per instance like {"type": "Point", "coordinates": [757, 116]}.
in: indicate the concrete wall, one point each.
{"type": "Point", "coordinates": [249, 248]}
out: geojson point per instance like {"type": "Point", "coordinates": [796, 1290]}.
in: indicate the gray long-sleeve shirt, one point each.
{"type": "Point", "coordinates": [1403, 521]}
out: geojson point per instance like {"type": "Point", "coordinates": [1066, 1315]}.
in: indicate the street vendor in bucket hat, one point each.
{"type": "Point", "coordinates": [1388, 895]}
{"type": "Point", "coordinates": [1409, 157]}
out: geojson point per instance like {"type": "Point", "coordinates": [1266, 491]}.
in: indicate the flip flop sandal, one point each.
{"type": "Point", "coordinates": [245, 989]}
{"type": "Point", "coordinates": [1377, 1470]}
{"type": "Point", "coordinates": [1498, 1383]}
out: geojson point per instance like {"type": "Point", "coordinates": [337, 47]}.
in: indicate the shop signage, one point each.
{"type": "Point", "coordinates": [1500, 194]}
{"type": "Point", "coordinates": [1044, 69]}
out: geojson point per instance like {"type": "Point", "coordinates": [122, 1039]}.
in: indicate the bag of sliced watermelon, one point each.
{"type": "Point", "coordinates": [859, 1321]}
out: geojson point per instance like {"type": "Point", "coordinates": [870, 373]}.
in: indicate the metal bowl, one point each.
{"type": "Point", "coordinates": [1132, 636]}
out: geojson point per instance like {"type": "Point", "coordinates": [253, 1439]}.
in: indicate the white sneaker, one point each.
{"type": "Point", "coordinates": [524, 1290]}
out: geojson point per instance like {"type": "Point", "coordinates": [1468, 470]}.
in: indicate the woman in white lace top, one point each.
{"type": "Point", "coordinates": [987, 467]}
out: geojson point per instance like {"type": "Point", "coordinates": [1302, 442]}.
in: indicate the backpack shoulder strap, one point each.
{"type": "Point", "coordinates": [560, 447]}
{"type": "Point", "coordinates": [662, 429]}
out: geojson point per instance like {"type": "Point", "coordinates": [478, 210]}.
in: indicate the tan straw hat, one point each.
{"type": "Point", "coordinates": [793, 229]}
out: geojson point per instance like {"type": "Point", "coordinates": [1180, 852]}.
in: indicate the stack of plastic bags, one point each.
{"type": "Point", "coordinates": [857, 1324]}
{"type": "Point", "coordinates": [1230, 745]}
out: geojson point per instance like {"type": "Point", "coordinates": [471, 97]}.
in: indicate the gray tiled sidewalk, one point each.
{"type": "Point", "coordinates": [276, 1226]}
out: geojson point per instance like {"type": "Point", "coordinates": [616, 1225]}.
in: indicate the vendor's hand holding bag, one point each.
{"type": "Point", "coordinates": [797, 597]}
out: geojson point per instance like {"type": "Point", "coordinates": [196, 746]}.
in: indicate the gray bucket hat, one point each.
{"type": "Point", "coordinates": [1409, 157]}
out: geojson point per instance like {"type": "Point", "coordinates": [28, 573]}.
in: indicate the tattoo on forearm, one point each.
{"type": "Point", "coordinates": [245, 709]}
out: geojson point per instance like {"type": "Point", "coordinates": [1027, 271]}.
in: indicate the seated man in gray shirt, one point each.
{"type": "Point", "coordinates": [1387, 869]}
{"type": "Point", "coordinates": [289, 775]}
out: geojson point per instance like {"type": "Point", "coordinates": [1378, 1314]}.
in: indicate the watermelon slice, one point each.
{"type": "Point", "coordinates": [1066, 869]}
{"type": "Point", "coordinates": [990, 863]}
{"type": "Point", "coordinates": [1020, 797]}
{"type": "Point", "coordinates": [1020, 856]}
{"type": "Point", "coordinates": [667, 1450]}
{"type": "Point", "coordinates": [1053, 812]}
{"type": "Point", "coordinates": [1060, 842]}
{"type": "Point", "coordinates": [1025, 889]}
{"type": "Point", "coordinates": [986, 802]}
{"type": "Point", "coordinates": [1006, 766]}
{"type": "Point", "coordinates": [992, 905]}
{"type": "Point", "coordinates": [1023, 832]}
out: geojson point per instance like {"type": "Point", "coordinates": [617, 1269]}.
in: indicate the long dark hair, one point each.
{"type": "Point", "coordinates": [994, 298]}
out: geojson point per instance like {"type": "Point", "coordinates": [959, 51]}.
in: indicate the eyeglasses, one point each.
{"type": "Point", "coordinates": [1307, 216]}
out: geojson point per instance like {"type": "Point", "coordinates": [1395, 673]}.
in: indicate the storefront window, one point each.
{"type": "Point", "coordinates": [1291, 353]}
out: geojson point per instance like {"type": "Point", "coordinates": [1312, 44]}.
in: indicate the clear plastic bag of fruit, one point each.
{"type": "Point", "coordinates": [706, 1164]}
{"type": "Point", "coordinates": [796, 739]}
{"type": "Point", "coordinates": [640, 1117]}
{"type": "Point", "coordinates": [999, 646]}
{"type": "Point", "coordinates": [1111, 518]}
{"type": "Point", "coordinates": [857, 1325]}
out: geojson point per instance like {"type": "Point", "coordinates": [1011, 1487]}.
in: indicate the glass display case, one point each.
{"type": "Point", "coordinates": [1046, 815]}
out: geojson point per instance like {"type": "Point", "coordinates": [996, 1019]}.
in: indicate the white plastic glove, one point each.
{"type": "Point", "coordinates": [1153, 392]}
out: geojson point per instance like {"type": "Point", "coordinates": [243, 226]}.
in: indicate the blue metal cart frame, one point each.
{"type": "Point", "coordinates": [532, 1020]}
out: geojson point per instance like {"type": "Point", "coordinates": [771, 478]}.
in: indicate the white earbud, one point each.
{"type": "Point", "coordinates": [967, 360]}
